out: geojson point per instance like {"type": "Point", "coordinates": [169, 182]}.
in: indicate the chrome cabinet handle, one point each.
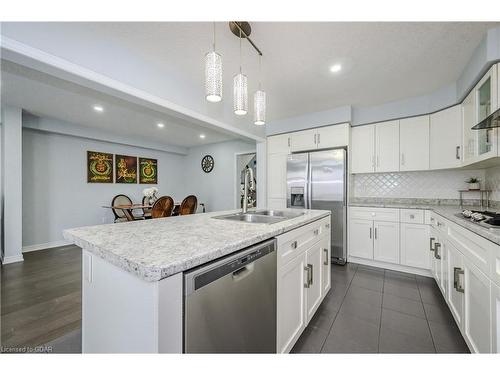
{"type": "Point", "coordinates": [311, 274]}
{"type": "Point", "coordinates": [306, 284]}
{"type": "Point", "coordinates": [288, 141]}
{"type": "Point", "coordinates": [375, 233]}
{"type": "Point", "coordinates": [436, 250]}
{"type": "Point", "coordinates": [327, 226]}
{"type": "Point", "coordinates": [315, 138]}
{"type": "Point", "coordinates": [316, 232]}
{"type": "Point", "coordinates": [326, 262]}
{"type": "Point", "coordinates": [370, 233]}
{"type": "Point", "coordinates": [294, 244]}
{"type": "Point", "coordinates": [457, 271]}
{"type": "Point", "coordinates": [319, 138]}
{"type": "Point", "coordinates": [412, 216]}
{"type": "Point", "coordinates": [457, 155]}
{"type": "Point", "coordinates": [432, 239]}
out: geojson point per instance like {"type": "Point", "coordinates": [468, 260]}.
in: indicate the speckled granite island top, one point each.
{"type": "Point", "coordinates": [156, 249]}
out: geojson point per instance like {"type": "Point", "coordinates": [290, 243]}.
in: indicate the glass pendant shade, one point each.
{"type": "Point", "coordinates": [213, 77]}
{"type": "Point", "coordinates": [240, 94]}
{"type": "Point", "coordinates": [259, 108]}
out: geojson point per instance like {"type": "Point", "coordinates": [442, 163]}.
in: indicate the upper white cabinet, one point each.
{"type": "Point", "coordinates": [363, 149]}
{"type": "Point", "coordinates": [414, 143]}
{"type": "Point", "coordinates": [320, 138]}
{"type": "Point", "coordinates": [446, 138]}
{"type": "Point", "coordinates": [387, 146]}
{"type": "Point", "coordinates": [278, 144]}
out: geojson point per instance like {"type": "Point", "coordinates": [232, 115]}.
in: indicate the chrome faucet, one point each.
{"type": "Point", "coordinates": [248, 173]}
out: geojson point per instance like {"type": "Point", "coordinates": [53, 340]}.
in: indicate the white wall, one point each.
{"type": "Point", "coordinates": [216, 189]}
{"type": "Point", "coordinates": [56, 194]}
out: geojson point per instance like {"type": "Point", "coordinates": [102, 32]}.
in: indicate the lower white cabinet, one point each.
{"type": "Point", "coordinates": [495, 318]}
{"type": "Point", "coordinates": [361, 238]}
{"type": "Point", "coordinates": [415, 245]}
{"type": "Point", "coordinates": [455, 284]}
{"type": "Point", "coordinates": [386, 241]}
{"type": "Point", "coordinates": [477, 312]}
{"type": "Point", "coordinates": [303, 279]}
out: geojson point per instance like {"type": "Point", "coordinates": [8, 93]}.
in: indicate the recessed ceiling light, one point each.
{"type": "Point", "coordinates": [335, 68]}
{"type": "Point", "coordinates": [98, 108]}
{"type": "Point", "coordinates": [202, 136]}
{"type": "Point", "coordinates": [160, 125]}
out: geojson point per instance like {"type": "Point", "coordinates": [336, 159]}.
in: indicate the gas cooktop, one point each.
{"type": "Point", "coordinates": [487, 219]}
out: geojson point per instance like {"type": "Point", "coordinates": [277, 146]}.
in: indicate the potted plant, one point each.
{"type": "Point", "coordinates": [473, 183]}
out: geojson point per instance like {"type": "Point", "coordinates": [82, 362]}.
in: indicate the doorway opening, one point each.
{"type": "Point", "coordinates": [245, 161]}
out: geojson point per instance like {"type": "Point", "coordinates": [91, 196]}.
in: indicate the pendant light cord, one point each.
{"type": "Point", "coordinates": [240, 51]}
{"type": "Point", "coordinates": [214, 38]}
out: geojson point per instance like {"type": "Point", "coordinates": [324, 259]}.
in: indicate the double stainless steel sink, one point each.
{"type": "Point", "coordinates": [261, 216]}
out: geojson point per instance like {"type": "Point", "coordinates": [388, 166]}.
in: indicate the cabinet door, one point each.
{"type": "Point", "coordinates": [387, 146]}
{"type": "Point", "coordinates": [414, 143]}
{"type": "Point", "coordinates": [314, 263]}
{"type": "Point", "coordinates": [438, 272]}
{"type": "Point", "coordinates": [495, 317]}
{"type": "Point", "coordinates": [434, 237]}
{"type": "Point", "coordinates": [362, 149]}
{"type": "Point", "coordinates": [486, 103]}
{"type": "Point", "coordinates": [468, 121]}
{"type": "Point", "coordinates": [276, 175]}
{"type": "Point", "coordinates": [291, 301]}
{"type": "Point", "coordinates": [415, 245]}
{"type": "Point", "coordinates": [455, 295]}
{"type": "Point", "coordinates": [333, 136]}
{"type": "Point", "coordinates": [477, 314]}
{"type": "Point", "coordinates": [446, 138]}
{"type": "Point", "coordinates": [444, 269]}
{"type": "Point", "coordinates": [361, 238]}
{"type": "Point", "coordinates": [278, 144]}
{"type": "Point", "coordinates": [326, 266]}
{"type": "Point", "coordinates": [303, 140]}
{"type": "Point", "coordinates": [386, 241]}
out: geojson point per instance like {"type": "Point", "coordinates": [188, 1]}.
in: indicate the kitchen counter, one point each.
{"type": "Point", "coordinates": [448, 212]}
{"type": "Point", "coordinates": [156, 249]}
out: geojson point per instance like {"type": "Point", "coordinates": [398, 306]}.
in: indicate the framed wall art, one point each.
{"type": "Point", "coordinates": [125, 169]}
{"type": "Point", "coordinates": [148, 171]}
{"type": "Point", "coordinates": [99, 167]}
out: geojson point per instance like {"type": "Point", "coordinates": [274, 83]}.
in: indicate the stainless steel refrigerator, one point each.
{"type": "Point", "coordinates": [317, 180]}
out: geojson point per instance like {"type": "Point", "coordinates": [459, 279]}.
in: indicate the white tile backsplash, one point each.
{"type": "Point", "coordinates": [425, 184]}
{"type": "Point", "coordinates": [492, 179]}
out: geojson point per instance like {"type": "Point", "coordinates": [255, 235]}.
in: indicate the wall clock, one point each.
{"type": "Point", "coordinates": [207, 163]}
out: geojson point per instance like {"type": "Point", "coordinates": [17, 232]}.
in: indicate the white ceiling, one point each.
{"type": "Point", "coordinates": [44, 95]}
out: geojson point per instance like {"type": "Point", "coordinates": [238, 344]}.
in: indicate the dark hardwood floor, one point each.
{"type": "Point", "coordinates": [41, 297]}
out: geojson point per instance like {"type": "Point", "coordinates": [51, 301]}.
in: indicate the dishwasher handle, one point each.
{"type": "Point", "coordinates": [243, 272]}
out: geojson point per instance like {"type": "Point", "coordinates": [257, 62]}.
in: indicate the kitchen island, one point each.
{"type": "Point", "coordinates": [132, 287]}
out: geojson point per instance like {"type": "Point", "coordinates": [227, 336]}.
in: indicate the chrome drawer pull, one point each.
{"type": "Point", "coordinates": [316, 232]}
{"type": "Point", "coordinates": [294, 244]}
{"type": "Point", "coordinates": [457, 271]}
{"type": "Point", "coordinates": [436, 250]}
{"type": "Point", "coordinates": [432, 239]}
{"type": "Point", "coordinates": [311, 275]}
{"type": "Point", "coordinates": [327, 226]}
{"type": "Point", "coordinates": [326, 262]}
{"type": "Point", "coordinates": [306, 284]}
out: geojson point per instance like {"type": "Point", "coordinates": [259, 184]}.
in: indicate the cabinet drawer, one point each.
{"type": "Point", "coordinates": [439, 223]}
{"type": "Point", "coordinates": [412, 216]}
{"type": "Point", "coordinates": [297, 241]}
{"type": "Point", "coordinates": [374, 213]}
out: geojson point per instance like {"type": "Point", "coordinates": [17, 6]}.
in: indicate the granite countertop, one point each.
{"type": "Point", "coordinates": [156, 249]}
{"type": "Point", "coordinates": [448, 212]}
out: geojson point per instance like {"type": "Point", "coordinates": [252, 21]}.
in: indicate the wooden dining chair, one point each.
{"type": "Point", "coordinates": [162, 207]}
{"type": "Point", "coordinates": [188, 205]}
{"type": "Point", "coordinates": [118, 200]}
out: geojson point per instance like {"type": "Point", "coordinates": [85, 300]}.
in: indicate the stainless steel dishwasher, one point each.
{"type": "Point", "coordinates": [230, 305]}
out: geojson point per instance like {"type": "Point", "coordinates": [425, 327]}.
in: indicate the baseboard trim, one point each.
{"type": "Point", "coordinates": [390, 266]}
{"type": "Point", "coordinates": [13, 259]}
{"type": "Point", "coordinates": [43, 246]}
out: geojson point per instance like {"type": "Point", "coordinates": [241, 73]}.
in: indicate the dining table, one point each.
{"type": "Point", "coordinates": [128, 209]}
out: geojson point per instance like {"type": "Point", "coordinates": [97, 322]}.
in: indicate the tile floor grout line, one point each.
{"type": "Point", "coordinates": [381, 311]}
{"type": "Point", "coordinates": [337, 313]}
{"type": "Point", "coordinates": [427, 319]}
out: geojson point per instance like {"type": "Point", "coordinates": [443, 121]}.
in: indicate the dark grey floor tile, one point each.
{"type": "Point", "coordinates": [401, 281]}
{"type": "Point", "coordinates": [404, 305]}
{"type": "Point", "coordinates": [401, 290]}
{"type": "Point", "coordinates": [362, 308]}
{"type": "Point", "coordinates": [439, 313]}
{"type": "Point", "coordinates": [335, 297]}
{"type": "Point", "coordinates": [324, 317]}
{"type": "Point", "coordinates": [369, 296]}
{"type": "Point", "coordinates": [431, 295]}
{"type": "Point", "coordinates": [392, 341]}
{"type": "Point", "coordinates": [368, 282]}
{"type": "Point", "coordinates": [311, 340]}
{"type": "Point", "coordinates": [447, 338]}
{"type": "Point", "coordinates": [351, 335]}
{"type": "Point", "coordinates": [343, 274]}
{"type": "Point", "coordinates": [424, 280]}
{"type": "Point", "coordinates": [406, 325]}
{"type": "Point", "coordinates": [398, 275]}
{"type": "Point", "coordinates": [370, 271]}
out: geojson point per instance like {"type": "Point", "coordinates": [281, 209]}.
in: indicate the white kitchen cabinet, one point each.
{"type": "Point", "coordinates": [446, 138]}
{"type": "Point", "coordinates": [414, 143]}
{"type": "Point", "coordinates": [415, 245]}
{"type": "Point", "coordinates": [276, 203]}
{"type": "Point", "coordinates": [276, 176]}
{"type": "Point", "coordinates": [333, 136]}
{"type": "Point", "coordinates": [477, 312]}
{"type": "Point", "coordinates": [278, 144]}
{"type": "Point", "coordinates": [291, 302]}
{"type": "Point", "coordinates": [361, 238]}
{"type": "Point", "coordinates": [495, 318]}
{"type": "Point", "coordinates": [303, 141]}
{"type": "Point", "coordinates": [313, 283]}
{"type": "Point", "coordinates": [326, 266]}
{"type": "Point", "coordinates": [455, 282]}
{"type": "Point", "coordinates": [468, 135]}
{"type": "Point", "coordinates": [387, 146]}
{"type": "Point", "coordinates": [386, 241]}
{"type": "Point", "coordinates": [363, 149]}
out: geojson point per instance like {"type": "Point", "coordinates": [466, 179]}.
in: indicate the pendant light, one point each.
{"type": "Point", "coordinates": [240, 92]}
{"type": "Point", "coordinates": [213, 75]}
{"type": "Point", "coordinates": [259, 101]}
